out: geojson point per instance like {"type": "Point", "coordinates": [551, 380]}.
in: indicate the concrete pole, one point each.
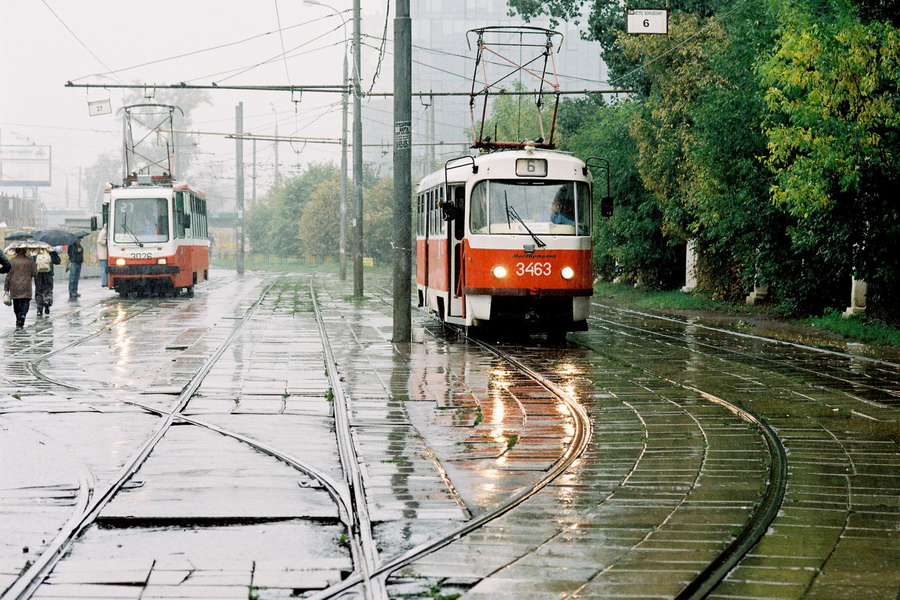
{"type": "Point", "coordinates": [342, 247]}
{"type": "Point", "coordinates": [253, 193]}
{"type": "Point", "coordinates": [239, 186]}
{"type": "Point", "coordinates": [402, 236]}
{"type": "Point", "coordinates": [357, 156]}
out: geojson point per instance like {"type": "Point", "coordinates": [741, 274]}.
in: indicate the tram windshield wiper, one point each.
{"type": "Point", "coordinates": [512, 212]}
{"type": "Point", "coordinates": [131, 233]}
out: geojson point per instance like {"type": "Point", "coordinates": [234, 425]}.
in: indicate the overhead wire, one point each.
{"type": "Point", "coordinates": [78, 39]}
{"type": "Point", "coordinates": [287, 72]}
{"type": "Point", "coordinates": [195, 52]}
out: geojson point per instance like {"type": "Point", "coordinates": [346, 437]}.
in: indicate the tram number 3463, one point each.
{"type": "Point", "coordinates": [538, 269]}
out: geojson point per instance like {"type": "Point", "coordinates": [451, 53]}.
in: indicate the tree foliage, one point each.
{"type": "Point", "coordinates": [767, 133]}
{"type": "Point", "coordinates": [631, 244]}
{"type": "Point", "coordinates": [831, 88]}
{"type": "Point", "coordinates": [300, 216]}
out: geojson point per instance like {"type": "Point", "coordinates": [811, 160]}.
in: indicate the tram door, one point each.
{"type": "Point", "coordinates": [455, 230]}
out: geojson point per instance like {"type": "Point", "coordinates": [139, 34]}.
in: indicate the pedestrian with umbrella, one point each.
{"type": "Point", "coordinates": [43, 281]}
{"type": "Point", "coordinates": [18, 283]}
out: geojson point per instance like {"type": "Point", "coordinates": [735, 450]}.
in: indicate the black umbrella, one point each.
{"type": "Point", "coordinates": [58, 237]}
{"type": "Point", "coordinates": [17, 235]}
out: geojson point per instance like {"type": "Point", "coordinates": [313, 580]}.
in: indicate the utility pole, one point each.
{"type": "Point", "coordinates": [239, 186]}
{"type": "Point", "coordinates": [253, 193]}
{"type": "Point", "coordinates": [402, 239]}
{"type": "Point", "coordinates": [357, 156]}
{"type": "Point", "coordinates": [342, 247]}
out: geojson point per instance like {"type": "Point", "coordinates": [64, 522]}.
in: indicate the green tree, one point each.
{"type": "Point", "coordinates": [606, 24]}
{"type": "Point", "coordinates": [379, 220]}
{"type": "Point", "coordinates": [834, 140]}
{"type": "Point", "coordinates": [320, 222]}
{"type": "Point", "coordinates": [273, 225]}
{"type": "Point", "coordinates": [630, 244]}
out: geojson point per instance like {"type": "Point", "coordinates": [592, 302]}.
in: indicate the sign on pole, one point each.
{"type": "Point", "coordinates": [648, 20]}
{"type": "Point", "coordinates": [99, 107]}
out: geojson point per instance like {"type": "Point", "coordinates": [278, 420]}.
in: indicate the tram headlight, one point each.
{"type": "Point", "coordinates": [567, 272]}
{"type": "Point", "coordinates": [161, 261]}
{"type": "Point", "coordinates": [120, 262]}
{"type": "Point", "coordinates": [499, 271]}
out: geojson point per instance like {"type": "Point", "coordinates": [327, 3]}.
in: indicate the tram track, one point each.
{"type": "Point", "coordinates": [90, 508]}
{"type": "Point", "coordinates": [706, 579]}
{"type": "Point", "coordinates": [764, 512]}
{"type": "Point", "coordinates": [862, 384]}
{"type": "Point", "coordinates": [375, 572]}
{"type": "Point", "coordinates": [575, 447]}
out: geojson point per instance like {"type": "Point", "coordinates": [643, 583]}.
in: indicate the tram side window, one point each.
{"type": "Point", "coordinates": [420, 219]}
{"type": "Point", "coordinates": [195, 217]}
{"type": "Point", "coordinates": [202, 225]}
{"type": "Point", "coordinates": [432, 214]}
{"type": "Point", "coordinates": [440, 213]}
{"type": "Point", "coordinates": [179, 214]}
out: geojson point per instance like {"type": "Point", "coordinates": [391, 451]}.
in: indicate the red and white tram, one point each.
{"type": "Point", "coordinates": [158, 237]}
{"type": "Point", "coordinates": [504, 239]}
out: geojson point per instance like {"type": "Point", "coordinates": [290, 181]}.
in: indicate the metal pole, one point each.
{"type": "Point", "coordinates": [402, 240]}
{"type": "Point", "coordinates": [357, 157]}
{"type": "Point", "coordinates": [239, 186]}
{"type": "Point", "coordinates": [342, 248]}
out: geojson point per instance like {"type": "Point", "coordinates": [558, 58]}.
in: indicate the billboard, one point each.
{"type": "Point", "coordinates": [25, 165]}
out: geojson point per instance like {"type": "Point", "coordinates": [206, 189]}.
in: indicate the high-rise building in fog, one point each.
{"type": "Point", "coordinates": [443, 62]}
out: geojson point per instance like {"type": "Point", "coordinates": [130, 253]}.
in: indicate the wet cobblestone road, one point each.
{"type": "Point", "coordinates": [444, 431]}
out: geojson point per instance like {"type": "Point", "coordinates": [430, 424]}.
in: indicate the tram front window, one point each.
{"type": "Point", "coordinates": [515, 207]}
{"type": "Point", "coordinates": [141, 220]}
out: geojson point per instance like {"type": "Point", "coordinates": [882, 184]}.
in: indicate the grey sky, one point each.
{"type": "Point", "coordinates": [44, 43]}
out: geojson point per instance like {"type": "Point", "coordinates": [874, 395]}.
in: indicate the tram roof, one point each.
{"type": "Point", "coordinates": [462, 166]}
{"type": "Point", "coordinates": [138, 189]}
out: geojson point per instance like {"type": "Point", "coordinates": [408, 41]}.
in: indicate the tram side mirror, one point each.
{"type": "Point", "coordinates": [606, 206]}
{"type": "Point", "coordinates": [94, 223]}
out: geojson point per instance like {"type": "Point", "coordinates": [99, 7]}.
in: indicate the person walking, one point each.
{"type": "Point", "coordinates": [18, 283]}
{"type": "Point", "coordinates": [102, 254]}
{"type": "Point", "coordinates": [76, 257]}
{"type": "Point", "coordinates": [43, 280]}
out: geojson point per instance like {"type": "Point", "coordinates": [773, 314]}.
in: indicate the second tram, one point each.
{"type": "Point", "coordinates": [158, 238]}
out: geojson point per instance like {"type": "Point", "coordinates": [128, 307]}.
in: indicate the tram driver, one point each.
{"type": "Point", "coordinates": [562, 207]}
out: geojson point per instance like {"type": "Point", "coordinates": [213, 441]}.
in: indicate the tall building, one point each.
{"type": "Point", "coordinates": [443, 58]}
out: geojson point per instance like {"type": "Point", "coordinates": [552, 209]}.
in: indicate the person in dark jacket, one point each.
{"type": "Point", "coordinates": [43, 284]}
{"type": "Point", "coordinates": [18, 284]}
{"type": "Point", "coordinates": [76, 257]}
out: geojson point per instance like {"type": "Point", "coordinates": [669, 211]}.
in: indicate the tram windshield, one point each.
{"type": "Point", "coordinates": [517, 207]}
{"type": "Point", "coordinates": [141, 220]}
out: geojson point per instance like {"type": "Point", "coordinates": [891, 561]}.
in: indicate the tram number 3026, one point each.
{"type": "Point", "coordinates": [139, 255]}
{"type": "Point", "coordinates": [538, 269]}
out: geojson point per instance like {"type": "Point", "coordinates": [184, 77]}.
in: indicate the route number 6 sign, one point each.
{"type": "Point", "coordinates": [648, 20]}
